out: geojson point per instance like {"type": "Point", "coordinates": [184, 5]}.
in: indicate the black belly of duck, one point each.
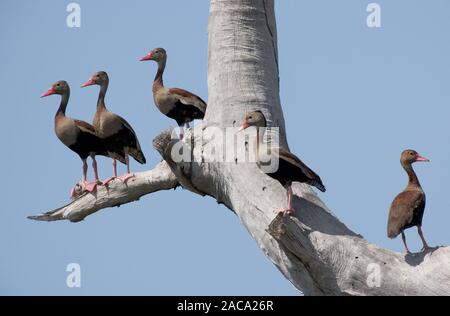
{"type": "Point", "coordinates": [183, 113]}
{"type": "Point", "coordinates": [86, 144]}
{"type": "Point", "coordinates": [288, 173]}
{"type": "Point", "coordinates": [123, 138]}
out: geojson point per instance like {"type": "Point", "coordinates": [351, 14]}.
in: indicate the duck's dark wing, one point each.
{"type": "Point", "coordinates": [188, 98]}
{"type": "Point", "coordinates": [88, 139]}
{"type": "Point", "coordinates": [90, 136]}
{"type": "Point", "coordinates": [85, 127]}
{"type": "Point", "coordinates": [406, 211]}
{"type": "Point", "coordinates": [129, 136]}
{"type": "Point", "coordinates": [303, 172]}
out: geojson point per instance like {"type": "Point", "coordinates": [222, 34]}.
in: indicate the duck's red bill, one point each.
{"type": "Point", "coordinates": [90, 82]}
{"type": "Point", "coordinates": [245, 125]}
{"type": "Point", "coordinates": [147, 57]}
{"type": "Point", "coordinates": [48, 92]}
{"type": "Point", "coordinates": [420, 158]}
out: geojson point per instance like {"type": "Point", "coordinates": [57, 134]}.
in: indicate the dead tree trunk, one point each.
{"type": "Point", "coordinates": [313, 249]}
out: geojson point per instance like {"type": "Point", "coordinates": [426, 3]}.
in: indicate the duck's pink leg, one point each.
{"type": "Point", "coordinates": [404, 242]}
{"type": "Point", "coordinates": [289, 210]}
{"type": "Point", "coordinates": [128, 175]}
{"type": "Point", "coordinates": [114, 173]}
{"type": "Point", "coordinates": [92, 187]}
{"type": "Point", "coordinates": [73, 192]}
{"type": "Point", "coordinates": [425, 245]}
{"type": "Point", "coordinates": [94, 166]}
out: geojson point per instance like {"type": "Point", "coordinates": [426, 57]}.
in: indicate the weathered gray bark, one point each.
{"type": "Point", "coordinates": [313, 249]}
{"type": "Point", "coordinates": [116, 194]}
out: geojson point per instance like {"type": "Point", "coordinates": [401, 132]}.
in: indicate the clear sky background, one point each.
{"type": "Point", "coordinates": [353, 99]}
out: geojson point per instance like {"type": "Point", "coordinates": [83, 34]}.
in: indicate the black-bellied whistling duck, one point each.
{"type": "Point", "coordinates": [178, 104]}
{"type": "Point", "coordinates": [290, 167]}
{"type": "Point", "coordinates": [408, 207]}
{"type": "Point", "coordinates": [119, 136]}
{"type": "Point", "coordinates": [79, 136]}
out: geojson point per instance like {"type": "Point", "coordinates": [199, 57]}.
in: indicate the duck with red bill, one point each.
{"type": "Point", "coordinates": [408, 207]}
{"type": "Point", "coordinates": [119, 137]}
{"type": "Point", "coordinates": [178, 104]}
{"type": "Point", "coordinates": [78, 135]}
{"type": "Point", "coordinates": [290, 167]}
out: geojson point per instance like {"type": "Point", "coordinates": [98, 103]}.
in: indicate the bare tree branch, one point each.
{"type": "Point", "coordinates": [116, 194]}
{"type": "Point", "coordinates": [339, 263]}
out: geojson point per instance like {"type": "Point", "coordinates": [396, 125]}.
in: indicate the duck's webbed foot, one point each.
{"type": "Point", "coordinates": [126, 177]}
{"type": "Point", "coordinates": [90, 186]}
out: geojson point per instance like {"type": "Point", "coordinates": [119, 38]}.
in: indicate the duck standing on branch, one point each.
{"type": "Point", "coordinates": [178, 104]}
{"type": "Point", "coordinates": [118, 135]}
{"type": "Point", "coordinates": [290, 167]}
{"type": "Point", "coordinates": [79, 136]}
{"type": "Point", "coordinates": [408, 207]}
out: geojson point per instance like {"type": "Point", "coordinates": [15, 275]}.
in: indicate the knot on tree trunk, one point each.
{"type": "Point", "coordinates": [179, 155]}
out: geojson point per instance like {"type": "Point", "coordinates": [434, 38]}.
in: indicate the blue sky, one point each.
{"type": "Point", "coordinates": [353, 99]}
